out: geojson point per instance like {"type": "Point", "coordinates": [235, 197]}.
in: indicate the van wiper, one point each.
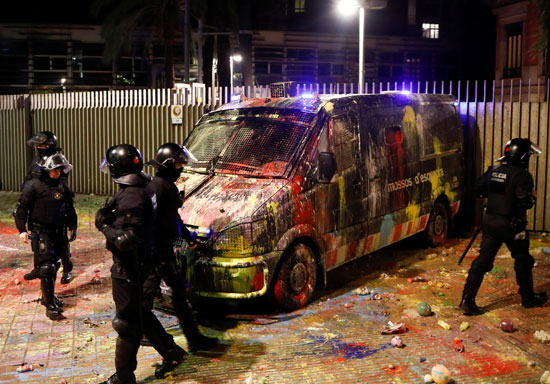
{"type": "Point", "coordinates": [212, 164]}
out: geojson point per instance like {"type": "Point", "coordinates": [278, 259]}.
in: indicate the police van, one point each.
{"type": "Point", "coordinates": [286, 189]}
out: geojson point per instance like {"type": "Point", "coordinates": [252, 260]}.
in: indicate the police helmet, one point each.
{"type": "Point", "coordinates": [518, 151]}
{"type": "Point", "coordinates": [170, 154]}
{"type": "Point", "coordinates": [42, 138]}
{"type": "Point", "coordinates": [57, 161]}
{"type": "Point", "coordinates": [125, 164]}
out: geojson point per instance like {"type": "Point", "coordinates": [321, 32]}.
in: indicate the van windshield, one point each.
{"type": "Point", "coordinates": [253, 142]}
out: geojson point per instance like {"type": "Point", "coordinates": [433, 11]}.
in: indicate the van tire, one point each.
{"type": "Point", "coordinates": [296, 278]}
{"type": "Point", "coordinates": [438, 225]}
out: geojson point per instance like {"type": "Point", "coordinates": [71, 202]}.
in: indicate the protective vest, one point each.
{"type": "Point", "coordinates": [168, 222]}
{"type": "Point", "coordinates": [134, 208]}
{"type": "Point", "coordinates": [49, 206]}
{"type": "Point", "coordinates": [509, 191]}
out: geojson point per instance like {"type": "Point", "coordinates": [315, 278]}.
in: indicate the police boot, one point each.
{"type": "Point", "coordinates": [33, 274]}
{"type": "Point", "coordinates": [468, 302]}
{"type": "Point", "coordinates": [174, 357]}
{"type": "Point", "coordinates": [52, 310]}
{"type": "Point", "coordinates": [67, 276]}
{"type": "Point", "coordinates": [188, 322]}
{"type": "Point", "coordinates": [58, 302]}
{"type": "Point", "coordinates": [115, 380]}
{"type": "Point", "coordinates": [529, 299]}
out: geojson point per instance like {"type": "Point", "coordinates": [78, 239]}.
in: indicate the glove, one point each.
{"type": "Point", "coordinates": [72, 237]}
{"type": "Point", "coordinates": [181, 194]}
{"type": "Point", "coordinates": [101, 217]}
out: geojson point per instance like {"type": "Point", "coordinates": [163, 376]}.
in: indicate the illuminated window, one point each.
{"type": "Point", "coordinates": [430, 31]}
{"type": "Point", "coordinates": [512, 67]}
{"type": "Point", "coordinates": [299, 6]}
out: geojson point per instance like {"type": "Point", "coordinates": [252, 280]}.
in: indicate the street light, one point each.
{"type": "Point", "coordinates": [232, 58]}
{"type": "Point", "coordinates": [347, 7]}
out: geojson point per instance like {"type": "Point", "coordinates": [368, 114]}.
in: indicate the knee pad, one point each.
{"type": "Point", "coordinates": [47, 269]}
{"type": "Point", "coordinates": [125, 329]}
{"type": "Point", "coordinates": [525, 261]}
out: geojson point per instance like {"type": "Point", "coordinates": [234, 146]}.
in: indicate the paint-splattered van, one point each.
{"type": "Point", "coordinates": [286, 189]}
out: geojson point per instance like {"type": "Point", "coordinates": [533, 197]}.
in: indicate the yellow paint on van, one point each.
{"type": "Point", "coordinates": [273, 206]}
{"type": "Point", "coordinates": [342, 193]}
{"type": "Point", "coordinates": [329, 107]}
{"type": "Point", "coordinates": [412, 211]}
{"type": "Point", "coordinates": [409, 117]}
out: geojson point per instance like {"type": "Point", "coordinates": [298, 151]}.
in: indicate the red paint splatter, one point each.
{"type": "Point", "coordinates": [7, 229]}
{"type": "Point", "coordinates": [489, 365]}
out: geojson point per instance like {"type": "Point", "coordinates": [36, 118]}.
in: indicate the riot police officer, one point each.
{"type": "Point", "coordinates": [127, 222]}
{"type": "Point", "coordinates": [46, 145]}
{"type": "Point", "coordinates": [510, 193]}
{"type": "Point", "coordinates": [169, 162]}
{"type": "Point", "coordinates": [46, 207]}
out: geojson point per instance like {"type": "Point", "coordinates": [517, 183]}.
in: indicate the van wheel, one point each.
{"type": "Point", "coordinates": [296, 278]}
{"type": "Point", "coordinates": [438, 224]}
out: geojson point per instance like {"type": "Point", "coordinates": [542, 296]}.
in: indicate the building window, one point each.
{"type": "Point", "coordinates": [512, 67]}
{"type": "Point", "coordinates": [430, 31]}
{"type": "Point", "coordinates": [299, 6]}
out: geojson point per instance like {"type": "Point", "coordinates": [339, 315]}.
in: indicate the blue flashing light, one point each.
{"type": "Point", "coordinates": [405, 92]}
{"type": "Point", "coordinates": [235, 98]}
{"type": "Point", "coordinates": [307, 96]}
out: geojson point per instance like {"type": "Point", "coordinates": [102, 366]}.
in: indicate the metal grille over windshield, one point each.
{"type": "Point", "coordinates": [249, 142]}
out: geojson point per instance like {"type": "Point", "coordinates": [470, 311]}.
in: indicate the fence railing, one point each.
{"type": "Point", "coordinates": [87, 123]}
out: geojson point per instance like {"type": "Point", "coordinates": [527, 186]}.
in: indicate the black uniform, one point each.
{"type": "Point", "coordinates": [33, 172]}
{"type": "Point", "coordinates": [46, 206]}
{"type": "Point", "coordinates": [168, 228]}
{"type": "Point", "coordinates": [129, 235]}
{"type": "Point", "coordinates": [508, 188]}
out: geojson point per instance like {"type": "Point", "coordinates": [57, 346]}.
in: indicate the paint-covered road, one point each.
{"type": "Point", "coordinates": [335, 339]}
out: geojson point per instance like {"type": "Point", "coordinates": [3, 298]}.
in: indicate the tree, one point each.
{"type": "Point", "coordinates": [127, 21]}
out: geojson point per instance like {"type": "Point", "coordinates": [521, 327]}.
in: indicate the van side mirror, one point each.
{"type": "Point", "coordinates": [327, 167]}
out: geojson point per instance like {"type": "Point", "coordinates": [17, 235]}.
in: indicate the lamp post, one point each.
{"type": "Point", "coordinates": [232, 58]}
{"type": "Point", "coordinates": [347, 7]}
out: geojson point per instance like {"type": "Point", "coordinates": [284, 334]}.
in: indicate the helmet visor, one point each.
{"type": "Point", "coordinates": [190, 158]}
{"type": "Point", "coordinates": [104, 167]}
{"type": "Point", "coordinates": [534, 150]}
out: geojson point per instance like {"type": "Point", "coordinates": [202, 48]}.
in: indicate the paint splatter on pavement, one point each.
{"type": "Point", "coordinates": [335, 339]}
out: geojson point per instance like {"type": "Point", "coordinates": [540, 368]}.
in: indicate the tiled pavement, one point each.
{"type": "Point", "coordinates": [336, 339]}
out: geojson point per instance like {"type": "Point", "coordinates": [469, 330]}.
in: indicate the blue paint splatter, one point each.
{"type": "Point", "coordinates": [340, 348]}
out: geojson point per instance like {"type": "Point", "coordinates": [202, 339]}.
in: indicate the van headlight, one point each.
{"type": "Point", "coordinates": [235, 241]}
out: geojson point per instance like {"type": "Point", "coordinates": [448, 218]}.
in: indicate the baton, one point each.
{"type": "Point", "coordinates": [469, 246]}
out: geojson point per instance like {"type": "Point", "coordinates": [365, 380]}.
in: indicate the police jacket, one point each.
{"type": "Point", "coordinates": [133, 213]}
{"type": "Point", "coordinates": [44, 204]}
{"type": "Point", "coordinates": [508, 188]}
{"type": "Point", "coordinates": [168, 222]}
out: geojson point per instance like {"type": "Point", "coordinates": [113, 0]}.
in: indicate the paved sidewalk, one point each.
{"type": "Point", "coordinates": [336, 339]}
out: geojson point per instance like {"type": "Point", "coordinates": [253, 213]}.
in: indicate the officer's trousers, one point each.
{"type": "Point", "coordinates": [498, 230]}
{"type": "Point", "coordinates": [48, 246]}
{"type": "Point", "coordinates": [168, 271]}
{"type": "Point", "coordinates": [132, 320]}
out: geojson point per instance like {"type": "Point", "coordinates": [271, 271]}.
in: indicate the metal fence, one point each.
{"type": "Point", "coordinates": [87, 123]}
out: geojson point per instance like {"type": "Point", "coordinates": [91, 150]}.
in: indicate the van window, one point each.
{"type": "Point", "coordinates": [249, 142]}
{"type": "Point", "coordinates": [438, 124]}
{"type": "Point", "coordinates": [345, 142]}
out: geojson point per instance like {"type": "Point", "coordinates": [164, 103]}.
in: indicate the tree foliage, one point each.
{"type": "Point", "coordinates": [127, 22]}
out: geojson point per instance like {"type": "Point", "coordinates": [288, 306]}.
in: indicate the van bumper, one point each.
{"type": "Point", "coordinates": [233, 278]}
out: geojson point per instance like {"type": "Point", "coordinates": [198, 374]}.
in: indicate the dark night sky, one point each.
{"type": "Point", "coordinates": [51, 12]}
